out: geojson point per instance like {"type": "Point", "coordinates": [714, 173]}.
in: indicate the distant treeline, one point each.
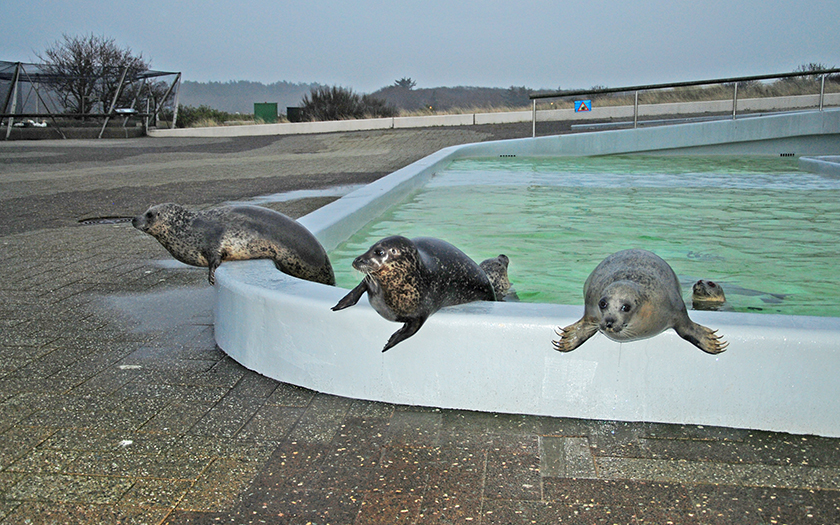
{"type": "Point", "coordinates": [448, 98]}
{"type": "Point", "coordinates": [239, 96]}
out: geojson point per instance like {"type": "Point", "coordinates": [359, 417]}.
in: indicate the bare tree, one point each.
{"type": "Point", "coordinates": [87, 70]}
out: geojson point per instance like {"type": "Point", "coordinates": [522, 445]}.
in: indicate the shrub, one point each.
{"type": "Point", "coordinates": [189, 116]}
{"type": "Point", "coordinates": [338, 103]}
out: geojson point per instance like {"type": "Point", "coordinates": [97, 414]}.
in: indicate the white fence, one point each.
{"type": "Point", "coordinates": [469, 119]}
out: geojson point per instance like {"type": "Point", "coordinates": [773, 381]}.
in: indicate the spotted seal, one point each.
{"type": "Point", "coordinates": [230, 233]}
{"type": "Point", "coordinates": [496, 269]}
{"type": "Point", "coordinates": [407, 280]}
{"type": "Point", "coordinates": [707, 295]}
{"type": "Point", "coordinates": [631, 295]}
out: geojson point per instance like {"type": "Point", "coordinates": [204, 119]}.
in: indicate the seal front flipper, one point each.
{"type": "Point", "coordinates": [409, 328]}
{"type": "Point", "coordinates": [351, 298]}
{"type": "Point", "coordinates": [703, 338]}
{"type": "Point", "coordinates": [214, 260]}
{"type": "Point", "coordinates": [575, 335]}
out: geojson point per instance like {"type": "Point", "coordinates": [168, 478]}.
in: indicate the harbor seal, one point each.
{"type": "Point", "coordinates": [707, 295]}
{"type": "Point", "coordinates": [631, 295]}
{"type": "Point", "coordinates": [407, 280]}
{"type": "Point", "coordinates": [231, 233]}
{"type": "Point", "coordinates": [496, 269]}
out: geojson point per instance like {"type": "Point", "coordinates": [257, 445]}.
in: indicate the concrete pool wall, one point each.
{"type": "Point", "coordinates": [779, 373]}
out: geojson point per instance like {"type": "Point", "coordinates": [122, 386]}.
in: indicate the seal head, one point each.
{"type": "Point", "coordinates": [707, 295]}
{"type": "Point", "coordinates": [496, 269]}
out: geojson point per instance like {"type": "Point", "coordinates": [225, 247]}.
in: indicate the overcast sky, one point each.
{"type": "Point", "coordinates": [368, 44]}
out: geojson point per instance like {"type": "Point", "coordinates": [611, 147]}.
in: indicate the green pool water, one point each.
{"type": "Point", "coordinates": [765, 230]}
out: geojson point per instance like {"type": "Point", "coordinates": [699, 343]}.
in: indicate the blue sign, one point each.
{"type": "Point", "coordinates": [583, 105]}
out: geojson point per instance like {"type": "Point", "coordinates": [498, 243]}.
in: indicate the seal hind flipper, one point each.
{"type": "Point", "coordinates": [352, 297]}
{"type": "Point", "coordinates": [702, 337]}
{"type": "Point", "coordinates": [409, 328]}
{"type": "Point", "coordinates": [575, 334]}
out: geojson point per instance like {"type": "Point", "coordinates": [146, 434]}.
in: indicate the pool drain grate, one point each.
{"type": "Point", "coordinates": [105, 220]}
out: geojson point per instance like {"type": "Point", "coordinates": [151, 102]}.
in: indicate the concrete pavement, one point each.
{"type": "Point", "coordinates": [117, 407]}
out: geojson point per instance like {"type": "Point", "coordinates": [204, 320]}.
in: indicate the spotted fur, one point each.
{"type": "Point", "coordinates": [230, 233]}
{"type": "Point", "coordinates": [407, 280]}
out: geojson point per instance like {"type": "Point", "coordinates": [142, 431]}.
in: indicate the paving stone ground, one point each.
{"type": "Point", "coordinates": [116, 406]}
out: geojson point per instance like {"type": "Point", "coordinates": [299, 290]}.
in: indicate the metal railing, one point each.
{"type": "Point", "coordinates": [822, 73]}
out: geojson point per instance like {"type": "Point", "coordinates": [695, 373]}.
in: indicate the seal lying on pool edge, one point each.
{"type": "Point", "coordinates": [407, 280]}
{"type": "Point", "coordinates": [230, 233]}
{"type": "Point", "coordinates": [631, 295]}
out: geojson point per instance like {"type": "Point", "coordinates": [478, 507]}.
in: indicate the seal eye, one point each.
{"type": "Point", "coordinates": [379, 252]}
{"type": "Point", "coordinates": [602, 304]}
{"type": "Point", "coordinates": [149, 215]}
{"type": "Point", "coordinates": [625, 307]}
{"type": "Point", "coordinates": [712, 285]}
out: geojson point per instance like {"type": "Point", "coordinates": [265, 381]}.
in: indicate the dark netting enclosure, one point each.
{"type": "Point", "coordinates": [42, 97]}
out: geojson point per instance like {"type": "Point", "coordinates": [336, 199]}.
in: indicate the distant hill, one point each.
{"type": "Point", "coordinates": [446, 98]}
{"type": "Point", "coordinates": [239, 96]}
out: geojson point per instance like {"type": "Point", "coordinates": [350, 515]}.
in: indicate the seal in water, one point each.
{"type": "Point", "coordinates": [631, 295]}
{"type": "Point", "coordinates": [707, 295]}
{"type": "Point", "coordinates": [231, 233]}
{"type": "Point", "coordinates": [407, 280]}
{"type": "Point", "coordinates": [496, 269]}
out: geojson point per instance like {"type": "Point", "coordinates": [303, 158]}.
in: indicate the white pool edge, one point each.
{"type": "Point", "coordinates": [780, 372]}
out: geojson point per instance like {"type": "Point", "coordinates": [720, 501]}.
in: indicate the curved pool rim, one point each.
{"type": "Point", "coordinates": [778, 374]}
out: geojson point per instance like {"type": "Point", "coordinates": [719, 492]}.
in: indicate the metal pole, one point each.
{"type": "Point", "coordinates": [822, 91]}
{"type": "Point", "coordinates": [534, 120]}
{"type": "Point", "coordinates": [114, 101]}
{"type": "Point", "coordinates": [177, 97]}
{"type": "Point", "coordinates": [636, 110]}
{"type": "Point", "coordinates": [159, 105]}
{"type": "Point", "coordinates": [13, 94]}
{"type": "Point", "coordinates": [735, 101]}
{"type": "Point", "coordinates": [46, 107]}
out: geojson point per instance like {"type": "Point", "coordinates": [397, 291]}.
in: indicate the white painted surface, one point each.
{"type": "Point", "coordinates": [779, 373]}
{"type": "Point", "coordinates": [827, 165]}
{"type": "Point", "coordinates": [467, 119]}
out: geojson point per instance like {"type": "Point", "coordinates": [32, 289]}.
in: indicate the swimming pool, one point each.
{"type": "Point", "coordinates": [757, 224]}
{"type": "Point", "coordinates": [779, 373]}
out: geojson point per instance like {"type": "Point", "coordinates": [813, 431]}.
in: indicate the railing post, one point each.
{"type": "Point", "coordinates": [534, 120]}
{"type": "Point", "coordinates": [636, 110]}
{"type": "Point", "coordinates": [822, 90]}
{"type": "Point", "coordinates": [735, 101]}
{"type": "Point", "coordinates": [12, 96]}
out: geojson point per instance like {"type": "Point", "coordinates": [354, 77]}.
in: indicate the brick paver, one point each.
{"type": "Point", "coordinates": [117, 407]}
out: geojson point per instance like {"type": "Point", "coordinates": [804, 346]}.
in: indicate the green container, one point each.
{"type": "Point", "coordinates": [266, 112]}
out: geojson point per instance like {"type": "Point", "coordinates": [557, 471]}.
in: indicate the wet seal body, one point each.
{"type": "Point", "coordinates": [632, 295]}
{"type": "Point", "coordinates": [707, 295]}
{"type": "Point", "coordinates": [496, 269]}
{"type": "Point", "coordinates": [231, 233]}
{"type": "Point", "coordinates": [407, 280]}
